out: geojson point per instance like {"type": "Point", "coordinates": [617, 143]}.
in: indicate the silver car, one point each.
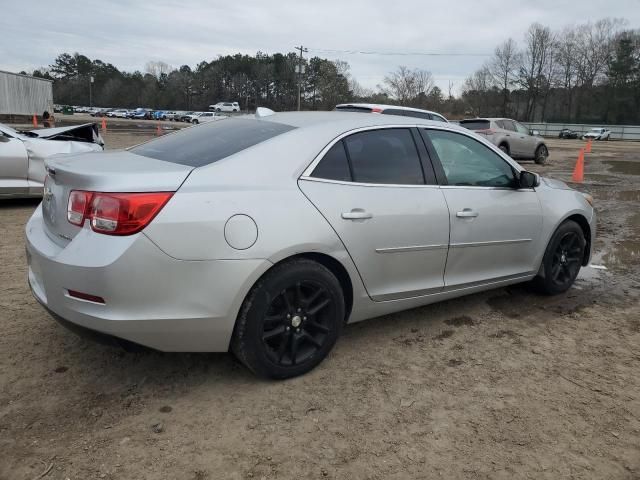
{"type": "Point", "coordinates": [265, 235]}
{"type": "Point", "coordinates": [22, 154]}
{"type": "Point", "coordinates": [511, 137]}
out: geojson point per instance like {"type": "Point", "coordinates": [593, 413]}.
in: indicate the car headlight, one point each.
{"type": "Point", "coordinates": [588, 198]}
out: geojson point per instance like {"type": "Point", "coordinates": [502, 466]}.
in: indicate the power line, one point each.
{"type": "Point", "coordinates": [406, 54]}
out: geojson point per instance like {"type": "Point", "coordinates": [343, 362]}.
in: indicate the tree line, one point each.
{"type": "Point", "coordinates": [586, 73]}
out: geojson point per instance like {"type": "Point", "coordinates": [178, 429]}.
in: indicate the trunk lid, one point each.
{"type": "Point", "coordinates": [118, 171]}
{"type": "Point", "coordinates": [87, 132]}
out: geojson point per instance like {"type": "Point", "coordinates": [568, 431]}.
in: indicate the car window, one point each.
{"type": "Point", "coordinates": [394, 111]}
{"type": "Point", "coordinates": [509, 125]}
{"type": "Point", "coordinates": [438, 118]}
{"type": "Point", "coordinates": [475, 124]}
{"type": "Point", "coordinates": [384, 156]}
{"type": "Point", "coordinates": [210, 142]}
{"type": "Point", "coordinates": [334, 165]}
{"type": "Point", "coordinates": [521, 128]}
{"type": "Point", "coordinates": [467, 162]}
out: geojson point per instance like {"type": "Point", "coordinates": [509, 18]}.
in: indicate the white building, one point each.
{"type": "Point", "coordinates": [24, 94]}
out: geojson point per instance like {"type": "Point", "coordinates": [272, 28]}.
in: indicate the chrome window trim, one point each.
{"type": "Point", "coordinates": [447, 127]}
{"type": "Point", "coordinates": [360, 184]}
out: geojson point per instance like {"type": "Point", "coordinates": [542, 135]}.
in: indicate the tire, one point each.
{"type": "Point", "coordinates": [290, 320]}
{"type": "Point", "coordinates": [218, 110]}
{"type": "Point", "coordinates": [541, 155]}
{"type": "Point", "coordinates": [195, 122]}
{"type": "Point", "coordinates": [562, 259]}
{"type": "Point", "coordinates": [505, 148]}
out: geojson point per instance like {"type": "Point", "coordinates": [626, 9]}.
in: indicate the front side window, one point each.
{"type": "Point", "coordinates": [521, 129]}
{"type": "Point", "coordinates": [467, 162]}
{"type": "Point", "coordinates": [385, 156]}
{"type": "Point", "coordinates": [509, 125]}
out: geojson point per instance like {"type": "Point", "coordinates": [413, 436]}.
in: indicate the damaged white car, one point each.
{"type": "Point", "coordinates": [22, 154]}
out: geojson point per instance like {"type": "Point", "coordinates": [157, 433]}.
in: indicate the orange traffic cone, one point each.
{"type": "Point", "coordinates": [35, 121]}
{"type": "Point", "coordinates": [104, 124]}
{"type": "Point", "coordinates": [578, 171]}
{"type": "Point", "coordinates": [588, 149]}
{"type": "Point", "coordinates": [158, 130]}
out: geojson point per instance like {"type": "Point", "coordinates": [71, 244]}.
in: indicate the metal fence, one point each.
{"type": "Point", "coordinates": [618, 132]}
{"type": "Point", "coordinates": [24, 95]}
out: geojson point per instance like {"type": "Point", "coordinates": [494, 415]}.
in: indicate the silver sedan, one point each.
{"type": "Point", "coordinates": [22, 154]}
{"type": "Point", "coordinates": [265, 235]}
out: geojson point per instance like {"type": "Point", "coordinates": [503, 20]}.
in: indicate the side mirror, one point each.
{"type": "Point", "coordinates": [528, 180]}
{"type": "Point", "coordinates": [535, 133]}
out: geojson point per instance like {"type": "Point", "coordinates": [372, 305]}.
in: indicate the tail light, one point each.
{"type": "Point", "coordinates": [115, 213]}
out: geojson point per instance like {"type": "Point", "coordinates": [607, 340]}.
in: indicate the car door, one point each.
{"type": "Point", "coordinates": [495, 226]}
{"type": "Point", "coordinates": [385, 205]}
{"type": "Point", "coordinates": [14, 165]}
{"type": "Point", "coordinates": [511, 135]}
{"type": "Point", "coordinates": [527, 142]}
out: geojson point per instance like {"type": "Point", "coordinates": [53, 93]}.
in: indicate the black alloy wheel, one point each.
{"type": "Point", "coordinates": [290, 320]}
{"type": "Point", "coordinates": [563, 258]}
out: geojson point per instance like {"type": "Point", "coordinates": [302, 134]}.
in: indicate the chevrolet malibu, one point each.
{"type": "Point", "coordinates": [265, 235]}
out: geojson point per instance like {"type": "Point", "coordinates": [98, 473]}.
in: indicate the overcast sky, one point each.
{"type": "Point", "coordinates": [128, 33]}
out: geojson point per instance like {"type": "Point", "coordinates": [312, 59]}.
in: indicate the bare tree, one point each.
{"type": "Point", "coordinates": [538, 51]}
{"type": "Point", "coordinates": [406, 85]}
{"type": "Point", "coordinates": [157, 69]}
{"type": "Point", "coordinates": [503, 68]}
{"type": "Point", "coordinates": [475, 90]}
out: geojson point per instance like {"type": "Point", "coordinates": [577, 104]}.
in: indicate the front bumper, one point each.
{"type": "Point", "coordinates": [150, 298]}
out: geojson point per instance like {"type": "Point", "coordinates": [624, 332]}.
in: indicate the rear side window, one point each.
{"type": "Point", "coordinates": [475, 124]}
{"type": "Point", "coordinates": [384, 156]}
{"type": "Point", "coordinates": [213, 141]}
{"type": "Point", "coordinates": [334, 165]}
{"type": "Point", "coordinates": [508, 125]}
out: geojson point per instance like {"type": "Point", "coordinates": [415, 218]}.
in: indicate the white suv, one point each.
{"type": "Point", "coordinates": [204, 117]}
{"type": "Point", "coordinates": [597, 134]}
{"type": "Point", "coordinates": [225, 107]}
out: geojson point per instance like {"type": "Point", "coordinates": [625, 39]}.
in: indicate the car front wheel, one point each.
{"type": "Point", "coordinates": [290, 320]}
{"type": "Point", "coordinates": [562, 259]}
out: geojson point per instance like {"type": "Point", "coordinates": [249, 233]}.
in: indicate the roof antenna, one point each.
{"type": "Point", "coordinates": [264, 112]}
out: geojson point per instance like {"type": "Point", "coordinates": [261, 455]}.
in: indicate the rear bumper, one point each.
{"type": "Point", "coordinates": [150, 298]}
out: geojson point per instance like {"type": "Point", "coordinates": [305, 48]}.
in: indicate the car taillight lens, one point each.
{"type": "Point", "coordinates": [76, 208]}
{"type": "Point", "coordinates": [115, 213]}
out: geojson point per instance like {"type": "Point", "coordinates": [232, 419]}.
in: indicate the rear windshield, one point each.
{"type": "Point", "coordinates": [475, 124]}
{"type": "Point", "coordinates": [208, 143]}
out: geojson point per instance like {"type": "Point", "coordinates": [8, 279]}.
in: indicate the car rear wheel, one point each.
{"type": "Point", "coordinates": [195, 122]}
{"type": "Point", "coordinates": [290, 320]}
{"type": "Point", "coordinates": [541, 155]}
{"type": "Point", "coordinates": [562, 259]}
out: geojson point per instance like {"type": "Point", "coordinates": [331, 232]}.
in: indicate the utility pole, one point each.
{"type": "Point", "coordinates": [300, 71]}
{"type": "Point", "coordinates": [90, 84]}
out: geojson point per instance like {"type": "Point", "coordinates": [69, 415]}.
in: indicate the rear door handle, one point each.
{"type": "Point", "coordinates": [356, 214]}
{"type": "Point", "coordinates": [467, 213]}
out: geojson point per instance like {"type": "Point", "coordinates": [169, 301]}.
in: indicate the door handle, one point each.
{"type": "Point", "coordinates": [356, 214]}
{"type": "Point", "coordinates": [467, 213]}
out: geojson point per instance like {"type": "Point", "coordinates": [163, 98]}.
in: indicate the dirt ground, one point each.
{"type": "Point", "coordinates": [503, 384]}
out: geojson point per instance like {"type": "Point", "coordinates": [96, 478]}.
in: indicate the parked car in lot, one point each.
{"type": "Point", "coordinates": [225, 107]}
{"type": "Point", "coordinates": [204, 117]}
{"type": "Point", "coordinates": [597, 134]}
{"type": "Point", "coordinates": [266, 234]}
{"type": "Point", "coordinates": [511, 137]}
{"type": "Point", "coordinates": [22, 154]}
{"type": "Point", "coordinates": [568, 133]}
{"type": "Point", "coordinates": [140, 114]}
{"type": "Point", "coordinates": [118, 113]}
{"type": "Point", "coordinates": [186, 116]}
{"type": "Point", "coordinates": [390, 110]}
{"type": "Point", "coordinates": [172, 115]}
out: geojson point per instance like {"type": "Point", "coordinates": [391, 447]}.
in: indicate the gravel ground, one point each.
{"type": "Point", "coordinates": [503, 384]}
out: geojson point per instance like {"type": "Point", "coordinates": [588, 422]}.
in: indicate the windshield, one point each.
{"type": "Point", "coordinates": [210, 142]}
